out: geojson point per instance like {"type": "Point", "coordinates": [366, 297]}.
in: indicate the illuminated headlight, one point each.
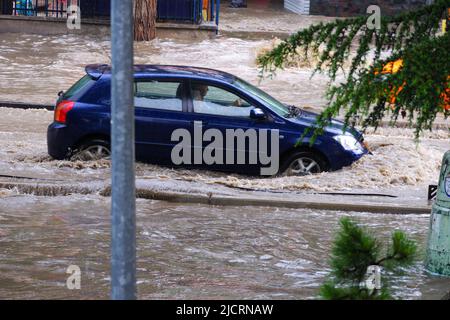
{"type": "Point", "coordinates": [349, 143]}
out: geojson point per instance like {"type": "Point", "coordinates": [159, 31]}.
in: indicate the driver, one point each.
{"type": "Point", "coordinates": [199, 91]}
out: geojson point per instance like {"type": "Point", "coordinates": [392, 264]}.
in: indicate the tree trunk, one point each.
{"type": "Point", "coordinates": [144, 20]}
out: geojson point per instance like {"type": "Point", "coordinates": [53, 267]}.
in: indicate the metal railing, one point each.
{"type": "Point", "coordinates": [194, 11]}
{"type": "Point", "coordinates": [190, 11]}
{"type": "Point", "coordinates": [42, 8]}
{"type": "Point", "coordinates": [213, 11]}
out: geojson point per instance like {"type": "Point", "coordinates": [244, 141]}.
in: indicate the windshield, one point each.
{"type": "Point", "coordinates": [275, 105]}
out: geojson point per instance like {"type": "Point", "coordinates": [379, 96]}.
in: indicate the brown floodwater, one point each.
{"type": "Point", "coordinates": [186, 251]}
{"type": "Point", "coordinates": [33, 68]}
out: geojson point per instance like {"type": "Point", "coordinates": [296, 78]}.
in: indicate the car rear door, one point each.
{"type": "Point", "coordinates": [160, 106]}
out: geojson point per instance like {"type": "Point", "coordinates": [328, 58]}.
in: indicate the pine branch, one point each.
{"type": "Point", "coordinates": [353, 251]}
{"type": "Point", "coordinates": [420, 88]}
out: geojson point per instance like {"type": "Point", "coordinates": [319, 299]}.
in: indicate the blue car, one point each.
{"type": "Point", "coordinates": [199, 118]}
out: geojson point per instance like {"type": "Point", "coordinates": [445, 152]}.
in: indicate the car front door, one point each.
{"type": "Point", "coordinates": [217, 108]}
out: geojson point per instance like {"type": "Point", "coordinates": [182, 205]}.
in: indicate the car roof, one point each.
{"type": "Point", "coordinates": [142, 70]}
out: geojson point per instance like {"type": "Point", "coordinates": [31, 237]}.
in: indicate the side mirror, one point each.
{"type": "Point", "coordinates": [257, 114]}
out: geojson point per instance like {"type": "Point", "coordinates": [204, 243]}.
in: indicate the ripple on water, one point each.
{"type": "Point", "coordinates": [185, 251]}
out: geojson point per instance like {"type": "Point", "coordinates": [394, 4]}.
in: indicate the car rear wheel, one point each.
{"type": "Point", "coordinates": [93, 150]}
{"type": "Point", "coordinates": [304, 163]}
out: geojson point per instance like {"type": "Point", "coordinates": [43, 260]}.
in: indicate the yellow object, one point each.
{"type": "Point", "coordinates": [444, 26]}
{"type": "Point", "coordinates": [393, 67]}
{"type": "Point", "coordinates": [205, 10]}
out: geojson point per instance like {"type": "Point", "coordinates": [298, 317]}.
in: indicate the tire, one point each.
{"type": "Point", "coordinates": [303, 163]}
{"type": "Point", "coordinates": [92, 150]}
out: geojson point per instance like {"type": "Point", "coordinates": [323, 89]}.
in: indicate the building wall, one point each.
{"type": "Point", "coordinates": [347, 8]}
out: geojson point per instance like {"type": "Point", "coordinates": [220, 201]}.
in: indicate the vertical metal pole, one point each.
{"type": "Point", "coordinates": [217, 15]}
{"type": "Point", "coordinates": [123, 207]}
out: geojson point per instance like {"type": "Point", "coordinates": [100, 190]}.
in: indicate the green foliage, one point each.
{"type": "Point", "coordinates": [354, 250]}
{"type": "Point", "coordinates": [401, 253]}
{"type": "Point", "coordinates": [366, 92]}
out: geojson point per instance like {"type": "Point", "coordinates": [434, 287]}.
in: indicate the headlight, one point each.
{"type": "Point", "coordinates": [349, 143]}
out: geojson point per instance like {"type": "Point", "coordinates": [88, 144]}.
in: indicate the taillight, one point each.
{"type": "Point", "coordinates": [62, 109]}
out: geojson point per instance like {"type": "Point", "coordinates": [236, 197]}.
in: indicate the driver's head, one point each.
{"type": "Point", "coordinates": [199, 91]}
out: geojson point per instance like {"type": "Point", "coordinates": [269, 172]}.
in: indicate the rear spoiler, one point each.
{"type": "Point", "coordinates": [95, 71]}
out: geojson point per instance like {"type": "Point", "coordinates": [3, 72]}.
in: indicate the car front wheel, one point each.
{"type": "Point", "coordinates": [304, 163]}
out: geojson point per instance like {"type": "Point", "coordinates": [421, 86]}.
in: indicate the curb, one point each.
{"type": "Point", "coordinates": [278, 203]}
{"type": "Point", "coordinates": [46, 189]}
{"type": "Point", "coordinates": [254, 35]}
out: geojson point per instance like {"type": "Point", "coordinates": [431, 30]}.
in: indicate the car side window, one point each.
{"type": "Point", "coordinates": [213, 100]}
{"type": "Point", "coordinates": [159, 95]}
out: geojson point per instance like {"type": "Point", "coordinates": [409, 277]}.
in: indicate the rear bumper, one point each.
{"type": "Point", "coordinates": [59, 145]}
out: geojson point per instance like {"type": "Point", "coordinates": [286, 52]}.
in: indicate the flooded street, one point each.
{"type": "Point", "coordinates": [36, 78]}
{"type": "Point", "coordinates": [397, 161]}
{"type": "Point", "coordinates": [188, 251]}
{"type": "Point", "coordinates": [185, 251]}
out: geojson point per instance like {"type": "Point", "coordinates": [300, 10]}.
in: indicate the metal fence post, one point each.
{"type": "Point", "coordinates": [123, 206]}
{"type": "Point", "coordinates": [217, 15]}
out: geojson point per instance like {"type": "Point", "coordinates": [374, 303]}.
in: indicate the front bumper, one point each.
{"type": "Point", "coordinates": [338, 157]}
{"type": "Point", "coordinates": [351, 157]}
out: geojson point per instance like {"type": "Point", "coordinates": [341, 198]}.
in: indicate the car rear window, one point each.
{"type": "Point", "coordinates": [163, 95]}
{"type": "Point", "coordinates": [78, 86]}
